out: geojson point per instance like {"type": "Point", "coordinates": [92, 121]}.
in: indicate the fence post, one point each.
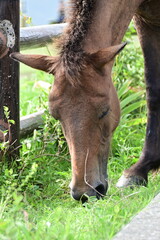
{"type": "Point", "coordinates": [9, 75]}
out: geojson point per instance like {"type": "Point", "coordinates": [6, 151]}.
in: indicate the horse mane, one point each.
{"type": "Point", "coordinates": [72, 55]}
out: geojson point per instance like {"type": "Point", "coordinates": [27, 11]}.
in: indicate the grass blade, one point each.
{"type": "Point", "coordinates": [133, 107]}
{"type": "Point", "coordinates": [130, 98]}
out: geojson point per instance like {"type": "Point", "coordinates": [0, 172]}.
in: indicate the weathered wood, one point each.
{"type": "Point", "coordinates": [33, 37]}
{"type": "Point", "coordinates": [3, 44]}
{"type": "Point", "coordinates": [9, 77]}
{"type": "Point", "coordinates": [30, 122]}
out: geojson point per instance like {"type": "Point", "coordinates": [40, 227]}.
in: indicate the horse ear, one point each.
{"type": "Point", "coordinates": [40, 62]}
{"type": "Point", "coordinates": [104, 56]}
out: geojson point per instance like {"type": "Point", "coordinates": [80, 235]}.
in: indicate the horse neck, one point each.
{"type": "Point", "coordinates": [111, 19]}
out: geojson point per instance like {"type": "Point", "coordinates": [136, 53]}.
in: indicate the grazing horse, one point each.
{"type": "Point", "coordinates": [83, 97]}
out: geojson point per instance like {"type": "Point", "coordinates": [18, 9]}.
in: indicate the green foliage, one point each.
{"type": "Point", "coordinates": [130, 32]}
{"type": "Point", "coordinates": [12, 185]}
{"type": "Point", "coordinates": [35, 201]}
{"type": "Point", "coordinates": [25, 20]}
{"type": "Point", "coordinates": [4, 144]}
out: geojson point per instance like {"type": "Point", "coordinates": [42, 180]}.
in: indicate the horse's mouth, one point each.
{"type": "Point", "coordinates": [99, 192]}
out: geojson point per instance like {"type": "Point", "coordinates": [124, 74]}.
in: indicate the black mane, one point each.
{"type": "Point", "coordinates": [71, 54]}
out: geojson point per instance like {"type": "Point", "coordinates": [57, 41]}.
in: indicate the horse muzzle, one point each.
{"type": "Point", "coordinates": [82, 195]}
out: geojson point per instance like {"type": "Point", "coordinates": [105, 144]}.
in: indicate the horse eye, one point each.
{"type": "Point", "coordinates": [104, 114]}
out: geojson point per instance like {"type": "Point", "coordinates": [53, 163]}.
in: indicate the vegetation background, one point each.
{"type": "Point", "coordinates": [35, 202]}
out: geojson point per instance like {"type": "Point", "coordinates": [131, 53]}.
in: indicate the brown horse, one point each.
{"type": "Point", "coordinates": [83, 97]}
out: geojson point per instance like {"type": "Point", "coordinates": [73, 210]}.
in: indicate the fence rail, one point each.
{"type": "Point", "coordinates": [30, 122]}
{"type": "Point", "coordinates": [38, 36]}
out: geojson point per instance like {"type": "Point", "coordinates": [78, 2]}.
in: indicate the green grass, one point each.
{"type": "Point", "coordinates": [35, 199]}
{"type": "Point", "coordinates": [32, 97]}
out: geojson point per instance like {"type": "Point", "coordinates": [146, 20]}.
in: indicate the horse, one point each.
{"type": "Point", "coordinates": [83, 96]}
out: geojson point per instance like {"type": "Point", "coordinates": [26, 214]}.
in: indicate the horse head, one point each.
{"type": "Point", "coordinates": [86, 104]}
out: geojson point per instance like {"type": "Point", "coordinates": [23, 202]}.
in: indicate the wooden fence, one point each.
{"type": "Point", "coordinates": [33, 37]}
{"type": "Point", "coordinates": [12, 39]}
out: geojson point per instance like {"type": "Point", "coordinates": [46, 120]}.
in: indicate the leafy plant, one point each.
{"type": "Point", "coordinates": [4, 144]}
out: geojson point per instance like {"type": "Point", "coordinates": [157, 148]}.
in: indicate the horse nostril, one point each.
{"type": "Point", "coordinates": [100, 191]}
